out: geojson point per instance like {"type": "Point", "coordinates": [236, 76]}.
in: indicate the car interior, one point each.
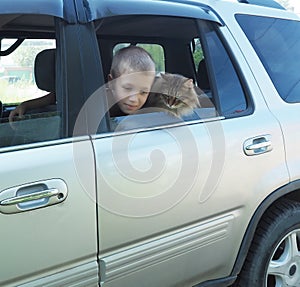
{"type": "Point", "coordinates": [15, 30]}
{"type": "Point", "coordinates": [175, 36]}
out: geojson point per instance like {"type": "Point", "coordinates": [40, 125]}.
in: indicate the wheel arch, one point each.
{"type": "Point", "coordinates": [290, 191]}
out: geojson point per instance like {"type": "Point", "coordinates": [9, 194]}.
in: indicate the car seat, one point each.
{"type": "Point", "coordinates": [202, 76]}
{"type": "Point", "coordinates": [44, 70]}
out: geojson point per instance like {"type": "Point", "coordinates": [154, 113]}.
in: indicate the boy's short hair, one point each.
{"type": "Point", "coordinates": [131, 59]}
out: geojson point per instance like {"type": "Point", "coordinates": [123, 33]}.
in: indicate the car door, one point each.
{"type": "Point", "coordinates": [175, 198]}
{"type": "Point", "coordinates": [47, 216]}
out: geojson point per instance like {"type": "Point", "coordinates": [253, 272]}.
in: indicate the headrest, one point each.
{"type": "Point", "coordinates": [202, 76]}
{"type": "Point", "coordinates": [44, 70]}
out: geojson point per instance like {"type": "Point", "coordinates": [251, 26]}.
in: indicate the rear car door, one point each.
{"type": "Point", "coordinates": [176, 196]}
{"type": "Point", "coordinates": [47, 216]}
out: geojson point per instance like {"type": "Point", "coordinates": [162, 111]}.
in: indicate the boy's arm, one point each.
{"type": "Point", "coordinates": [32, 104]}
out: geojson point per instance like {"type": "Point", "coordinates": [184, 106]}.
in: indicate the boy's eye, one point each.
{"type": "Point", "coordinates": [144, 93]}
{"type": "Point", "coordinates": [127, 88]}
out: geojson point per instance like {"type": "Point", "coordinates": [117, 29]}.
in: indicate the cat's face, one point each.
{"type": "Point", "coordinates": [177, 92]}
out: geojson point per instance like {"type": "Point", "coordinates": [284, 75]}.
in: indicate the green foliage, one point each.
{"type": "Point", "coordinates": [18, 92]}
{"type": "Point", "coordinates": [198, 56]}
{"type": "Point", "coordinates": [157, 53]}
{"type": "Point", "coordinates": [198, 52]}
{"type": "Point", "coordinates": [24, 55]}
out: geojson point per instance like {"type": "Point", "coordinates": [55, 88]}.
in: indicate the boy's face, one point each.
{"type": "Point", "coordinates": [131, 90]}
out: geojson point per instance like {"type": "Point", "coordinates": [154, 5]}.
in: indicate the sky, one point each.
{"type": "Point", "coordinates": [294, 4]}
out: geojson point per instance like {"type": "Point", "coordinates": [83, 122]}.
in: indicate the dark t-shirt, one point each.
{"type": "Point", "coordinates": [115, 111]}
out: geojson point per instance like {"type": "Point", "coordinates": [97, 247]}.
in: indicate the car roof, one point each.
{"type": "Point", "coordinates": [185, 8]}
{"type": "Point", "coordinates": [46, 7]}
{"type": "Point", "coordinates": [89, 10]}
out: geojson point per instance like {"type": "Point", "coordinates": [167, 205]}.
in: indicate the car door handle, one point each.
{"type": "Point", "coordinates": [46, 194]}
{"type": "Point", "coordinates": [258, 145]}
{"type": "Point", "coordinates": [32, 196]}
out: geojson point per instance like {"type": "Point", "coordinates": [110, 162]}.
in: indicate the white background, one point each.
{"type": "Point", "coordinates": [293, 5]}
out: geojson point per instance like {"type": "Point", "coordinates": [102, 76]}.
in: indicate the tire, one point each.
{"type": "Point", "coordinates": [273, 259]}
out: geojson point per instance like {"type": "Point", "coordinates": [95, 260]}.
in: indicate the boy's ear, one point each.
{"type": "Point", "coordinates": [109, 77]}
{"type": "Point", "coordinates": [109, 81]}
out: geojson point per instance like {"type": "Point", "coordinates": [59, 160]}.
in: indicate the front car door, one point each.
{"type": "Point", "coordinates": [47, 216]}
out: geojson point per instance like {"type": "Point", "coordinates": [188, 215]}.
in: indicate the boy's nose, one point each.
{"type": "Point", "coordinates": [133, 97]}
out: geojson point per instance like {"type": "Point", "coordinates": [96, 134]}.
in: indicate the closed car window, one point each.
{"type": "Point", "coordinates": [228, 91]}
{"type": "Point", "coordinates": [277, 44]}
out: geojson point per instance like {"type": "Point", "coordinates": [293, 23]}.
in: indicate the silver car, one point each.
{"type": "Point", "coordinates": [210, 198]}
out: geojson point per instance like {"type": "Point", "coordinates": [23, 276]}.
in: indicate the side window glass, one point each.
{"type": "Point", "coordinates": [277, 44]}
{"type": "Point", "coordinates": [27, 74]}
{"type": "Point", "coordinates": [228, 91]}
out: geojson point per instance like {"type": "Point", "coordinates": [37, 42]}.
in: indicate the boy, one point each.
{"type": "Point", "coordinates": [131, 76]}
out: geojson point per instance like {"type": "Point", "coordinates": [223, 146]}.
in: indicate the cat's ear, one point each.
{"type": "Point", "coordinates": [165, 76]}
{"type": "Point", "coordinates": [189, 83]}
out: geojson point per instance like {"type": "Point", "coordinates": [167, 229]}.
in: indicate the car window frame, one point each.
{"type": "Point", "coordinates": [259, 52]}
{"type": "Point", "coordinates": [248, 98]}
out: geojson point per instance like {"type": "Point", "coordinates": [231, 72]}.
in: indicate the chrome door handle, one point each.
{"type": "Point", "coordinates": [32, 196]}
{"type": "Point", "coordinates": [258, 145]}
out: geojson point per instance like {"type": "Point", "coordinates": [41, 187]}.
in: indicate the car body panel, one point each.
{"type": "Point", "coordinates": [285, 113]}
{"type": "Point", "coordinates": [134, 215]}
{"type": "Point", "coordinates": [126, 213]}
{"type": "Point", "coordinates": [48, 239]}
{"type": "Point", "coordinates": [167, 205]}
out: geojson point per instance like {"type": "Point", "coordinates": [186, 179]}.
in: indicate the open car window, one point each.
{"type": "Point", "coordinates": [181, 46]}
{"type": "Point", "coordinates": [27, 72]}
{"type": "Point", "coordinates": [17, 77]}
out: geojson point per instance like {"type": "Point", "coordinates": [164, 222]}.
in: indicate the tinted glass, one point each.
{"type": "Point", "coordinates": [277, 44]}
{"type": "Point", "coordinates": [230, 93]}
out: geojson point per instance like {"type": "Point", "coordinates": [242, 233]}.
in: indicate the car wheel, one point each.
{"type": "Point", "coordinates": [273, 259]}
